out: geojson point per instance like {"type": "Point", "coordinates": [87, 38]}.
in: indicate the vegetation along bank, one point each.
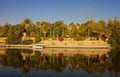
{"type": "Point", "coordinates": [27, 32]}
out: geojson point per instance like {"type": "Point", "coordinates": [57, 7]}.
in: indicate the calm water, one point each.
{"type": "Point", "coordinates": [59, 63]}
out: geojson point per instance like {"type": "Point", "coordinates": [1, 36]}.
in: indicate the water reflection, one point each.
{"type": "Point", "coordinates": [62, 60]}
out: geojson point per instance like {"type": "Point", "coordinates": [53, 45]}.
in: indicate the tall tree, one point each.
{"type": "Point", "coordinates": [26, 24]}
{"type": "Point", "coordinates": [71, 29]}
{"type": "Point", "coordinates": [114, 26]}
{"type": "Point", "coordinates": [77, 30]}
{"type": "Point", "coordinates": [4, 29]}
{"type": "Point", "coordinates": [60, 27]}
{"type": "Point", "coordinates": [64, 28]}
{"type": "Point", "coordinates": [104, 32]}
{"type": "Point", "coordinates": [50, 29]}
{"type": "Point", "coordinates": [39, 28]}
{"type": "Point", "coordinates": [14, 36]}
{"type": "Point", "coordinates": [44, 26]}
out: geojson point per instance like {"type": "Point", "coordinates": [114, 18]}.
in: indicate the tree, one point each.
{"type": "Point", "coordinates": [37, 38]}
{"type": "Point", "coordinates": [4, 29]}
{"type": "Point", "coordinates": [44, 27]}
{"type": "Point", "coordinates": [60, 27]}
{"type": "Point", "coordinates": [114, 26]}
{"type": "Point", "coordinates": [104, 32]}
{"type": "Point", "coordinates": [53, 30]}
{"type": "Point", "coordinates": [71, 29]}
{"type": "Point", "coordinates": [97, 30]}
{"type": "Point", "coordinates": [14, 36]}
{"type": "Point", "coordinates": [50, 29]}
{"type": "Point", "coordinates": [39, 28]}
{"type": "Point", "coordinates": [91, 28]}
{"type": "Point", "coordinates": [26, 24]}
{"type": "Point", "coordinates": [77, 31]}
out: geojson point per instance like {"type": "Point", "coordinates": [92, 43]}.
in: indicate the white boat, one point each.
{"type": "Point", "coordinates": [38, 46]}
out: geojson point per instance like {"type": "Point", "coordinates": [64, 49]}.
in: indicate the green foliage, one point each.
{"type": "Point", "coordinates": [4, 30]}
{"type": "Point", "coordinates": [27, 26]}
{"type": "Point", "coordinates": [37, 39]}
{"type": "Point", "coordinates": [14, 35]}
{"type": "Point", "coordinates": [27, 42]}
{"type": "Point", "coordinates": [13, 39]}
{"type": "Point", "coordinates": [109, 31]}
{"type": "Point", "coordinates": [114, 26]}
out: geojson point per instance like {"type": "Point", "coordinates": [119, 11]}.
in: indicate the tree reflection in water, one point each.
{"type": "Point", "coordinates": [28, 60]}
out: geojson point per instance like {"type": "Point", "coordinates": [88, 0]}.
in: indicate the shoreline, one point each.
{"type": "Point", "coordinates": [16, 46]}
{"type": "Point", "coordinates": [78, 47]}
{"type": "Point", "coordinates": [76, 44]}
{"type": "Point", "coordinates": [87, 44]}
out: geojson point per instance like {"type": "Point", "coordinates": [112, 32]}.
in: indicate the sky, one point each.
{"type": "Point", "coordinates": [77, 11]}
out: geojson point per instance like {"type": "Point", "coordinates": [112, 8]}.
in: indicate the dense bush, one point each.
{"type": "Point", "coordinates": [37, 39]}
{"type": "Point", "coordinates": [14, 35]}
{"type": "Point", "coordinates": [114, 26]}
{"type": "Point", "coordinates": [27, 42]}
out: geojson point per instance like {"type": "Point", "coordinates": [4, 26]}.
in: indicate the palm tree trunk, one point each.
{"type": "Point", "coordinates": [53, 34]}
{"type": "Point", "coordinates": [57, 34]}
{"type": "Point", "coordinates": [63, 32]}
{"type": "Point", "coordinates": [50, 34]}
{"type": "Point", "coordinates": [40, 32]}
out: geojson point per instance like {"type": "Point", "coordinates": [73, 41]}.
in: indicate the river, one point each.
{"type": "Point", "coordinates": [59, 62]}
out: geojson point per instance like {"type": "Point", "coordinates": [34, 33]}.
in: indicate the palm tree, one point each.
{"type": "Point", "coordinates": [82, 31]}
{"type": "Point", "coordinates": [26, 24]}
{"type": "Point", "coordinates": [59, 28]}
{"type": "Point", "coordinates": [53, 30]}
{"type": "Point", "coordinates": [71, 29]}
{"type": "Point", "coordinates": [38, 27]}
{"type": "Point", "coordinates": [44, 27]}
{"type": "Point", "coordinates": [64, 27]}
{"type": "Point", "coordinates": [77, 31]}
{"type": "Point", "coordinates": [50, 29]}
{"type": "Point", "coordinates": [4, 29]}
{"type": "Point", "coordinates": [77, 26]}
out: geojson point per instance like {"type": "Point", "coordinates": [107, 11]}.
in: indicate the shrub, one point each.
{"type": "Point", "coordinates": [61, 38]}
{"type": "Point", "coordinates": [37, 39]}
{"type": "Point", "coordinates": [27, 42]}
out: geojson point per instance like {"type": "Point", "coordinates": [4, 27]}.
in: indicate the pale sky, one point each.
{"type": "Point", "coordinates": [77, 11]}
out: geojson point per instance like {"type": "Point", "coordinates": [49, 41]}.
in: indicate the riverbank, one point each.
{"type": "Point", "coordinates": [64, 44]}
{"type": "Point", "coordinates": [16, 46]}
{"type": "Point", "coordinates": [76, 44]}
{"type": "Point", "coordinates": [70, 52]}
